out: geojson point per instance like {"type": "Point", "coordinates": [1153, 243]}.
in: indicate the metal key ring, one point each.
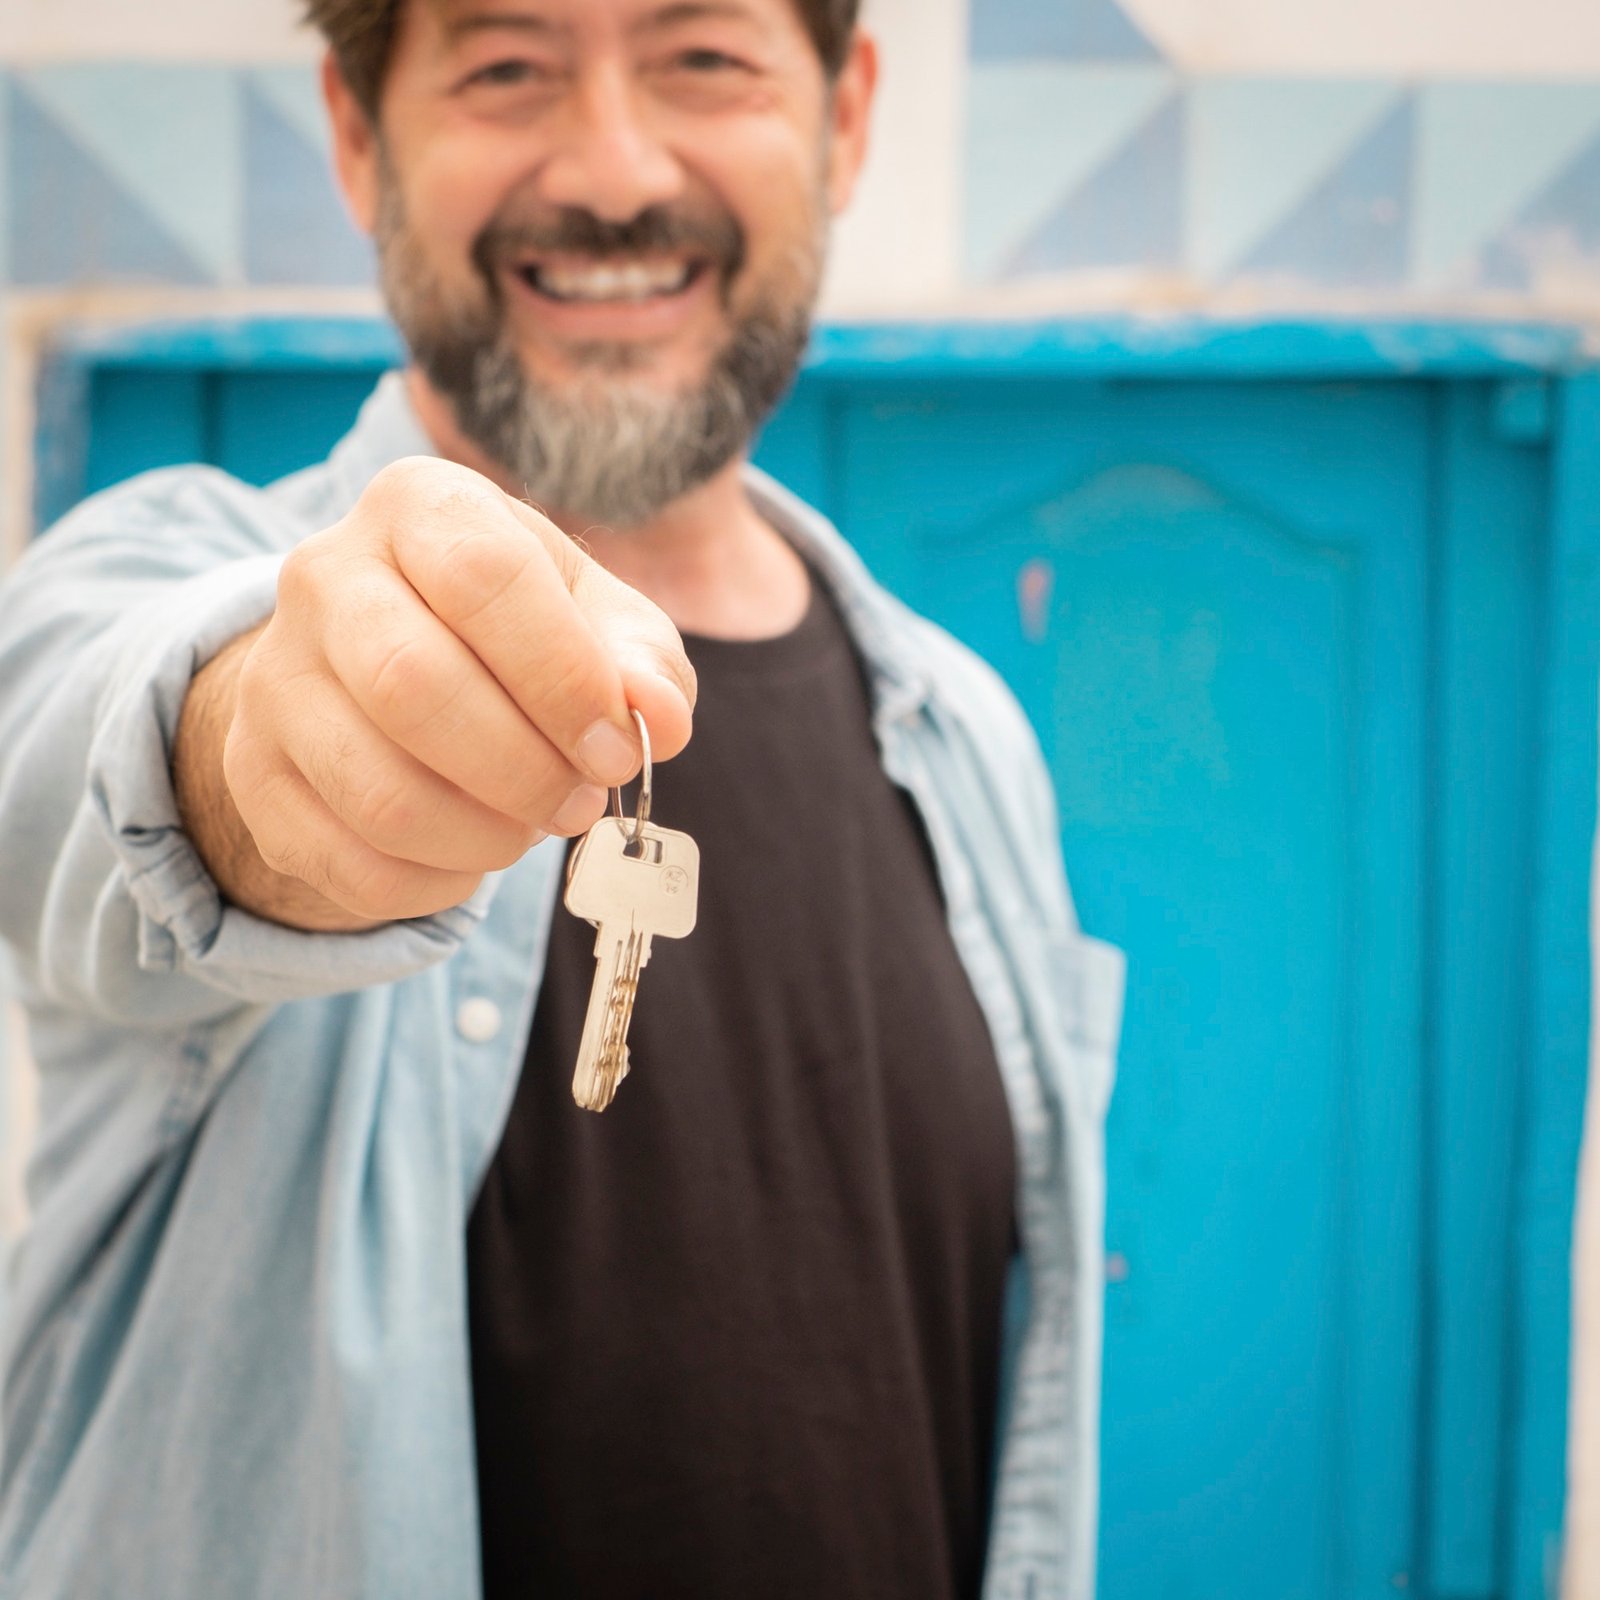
{"type": "Point", "coordinates": [646, 787]}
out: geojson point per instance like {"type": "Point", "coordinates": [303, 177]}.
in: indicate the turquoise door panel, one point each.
{"type": "Point", "coordinates": [267, 424]}
{"type": "Point", "coordinates": [1214, 606]}
{"type": "Point", "coordinates": [258, 426]}
{"type": "Point", "coordinates": [1308, 620]}
{"type": "Point", "coordinates": [1492, 556]}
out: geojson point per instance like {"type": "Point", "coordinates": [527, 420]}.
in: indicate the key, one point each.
{"type": "Point", "coordinates": [635, 882]}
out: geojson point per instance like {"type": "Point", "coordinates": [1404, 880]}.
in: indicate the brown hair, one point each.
{"type": "Point", "coordinates": [361, 34]}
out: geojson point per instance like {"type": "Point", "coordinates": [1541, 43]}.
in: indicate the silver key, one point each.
{"type": "Point", "coordinates": [635, 882]}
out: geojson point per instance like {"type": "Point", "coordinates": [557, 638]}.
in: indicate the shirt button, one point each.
{"type": "Point", "coordinates": [478, 1020]}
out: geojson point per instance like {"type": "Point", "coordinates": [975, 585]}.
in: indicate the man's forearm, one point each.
{"type": "Point", "coordinates": [212, 821]}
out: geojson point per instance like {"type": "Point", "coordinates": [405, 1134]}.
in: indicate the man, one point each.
{"type": "Point", "coordinates": [331, 1289]}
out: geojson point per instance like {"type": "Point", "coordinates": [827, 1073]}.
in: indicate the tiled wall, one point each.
{"type": "Point", "coordinates": [1091, 151]}
{"type": "Point", "coordinates": [1100, 149]}
{"type": "Point", "coordinates": [119, 173]}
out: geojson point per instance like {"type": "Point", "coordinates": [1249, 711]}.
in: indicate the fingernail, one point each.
{"type": "Point", "coordinates": [607, 754]}
{"type": "Point", "coordinates": [583, 809]}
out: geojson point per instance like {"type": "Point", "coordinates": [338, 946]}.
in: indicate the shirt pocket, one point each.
{"type": "Point", "coordinates": [1088, 979]}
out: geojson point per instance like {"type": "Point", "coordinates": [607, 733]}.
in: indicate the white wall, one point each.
{"type": "Point", "coordinates": [144, 30]}
{"type": "Point", "coordinates": [899, 246]}
{"type": "Point", "coordinates": [1424, 38]}
{"type": "Point", "coordinates": [1379, 38]}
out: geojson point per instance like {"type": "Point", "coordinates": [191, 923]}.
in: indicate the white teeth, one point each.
{"type": "Point", "coordinates": [632, 281]}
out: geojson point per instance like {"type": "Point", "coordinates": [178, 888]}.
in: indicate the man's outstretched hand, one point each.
{"type": "Point", "coordinates": [447, 679]}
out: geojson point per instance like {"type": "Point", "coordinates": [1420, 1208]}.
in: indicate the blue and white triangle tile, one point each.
{"type": "Point", "coordinates": [79, 214]}
{"type": "Point", "coordinates": [168, 136]}
{"type": "Point", "coordinates": [1036, 132]}
{"type": "Point", "coordinates": [296, 228]}
{"type": "Point", "coordinates": [1127, 213]}
{"type": "Point", "coordinates": [1352, 229]}
{"type": "Point", "coordinates": [1062, 30]}
{"type": "Point", "coordinates": [1258, 148]}
{"type": "Point", "coordinates": [1552, 246]}
{"type": "Point", "coordinates": [1489, 155]}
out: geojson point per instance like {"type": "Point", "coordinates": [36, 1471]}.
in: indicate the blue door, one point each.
{"type": "Point", "coordinates": [1213, 602]}
{"type": "Point", "coordinates": [1312, 658]}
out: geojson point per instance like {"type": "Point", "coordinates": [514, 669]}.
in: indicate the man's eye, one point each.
{"type": "Point", "coordinates": [708, 61]}
{"type": "Point", "coordinates": [506, 72]}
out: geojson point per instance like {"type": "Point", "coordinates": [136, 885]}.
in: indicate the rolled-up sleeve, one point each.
{"type": "Point", "coordinates": [104, 901]}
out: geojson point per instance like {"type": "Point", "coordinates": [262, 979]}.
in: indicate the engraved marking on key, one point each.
{"type": "Point", "coordinates": [633, 890]}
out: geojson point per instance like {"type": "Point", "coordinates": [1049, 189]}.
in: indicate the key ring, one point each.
{"type": "Point", "coordinates": [646, 787]}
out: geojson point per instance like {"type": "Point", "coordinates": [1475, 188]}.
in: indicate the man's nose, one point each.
{"type": "Point", "coordinates": [609, 161]}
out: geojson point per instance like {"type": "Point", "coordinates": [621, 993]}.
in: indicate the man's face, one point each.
{"type": "Point", "coordinates": [601, 225]}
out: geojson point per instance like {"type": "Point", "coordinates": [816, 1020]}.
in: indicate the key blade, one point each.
{"type": "Point", "coordinates": [593, 1086]}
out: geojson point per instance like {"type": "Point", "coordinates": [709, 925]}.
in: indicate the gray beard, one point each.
{"type": "Point", "coordinates": [600, 449]}
{"type": "Point", "coordinates": [611, 452]}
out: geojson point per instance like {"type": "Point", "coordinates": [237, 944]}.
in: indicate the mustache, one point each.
{"type": "Point", "coordinates": [657, 230]}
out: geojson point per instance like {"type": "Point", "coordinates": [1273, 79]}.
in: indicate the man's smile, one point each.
{"type": "Point", "coordinates": [628, 297]}
{"type": "Point", "coordinates": [591, 280]}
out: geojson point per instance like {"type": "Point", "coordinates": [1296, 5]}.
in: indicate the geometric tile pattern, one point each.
{"type": "Point", "coordinates": [155, 173]}
{"type": "Point", "coordinates": [177, 167]}
{"type": "Point", "coordinates": [1086, 153]}
{"type": "Point", "coordinates": [1244, 180]}
{"type": "Point", "coordinates": [1040, 130]}
{"type": "Point", "coordinates": [1129, 208]}
{"type": "Point", "coordinates": [72, 218]}
{"type": "Point", "coordinates": [1067, 30]}
{"type": "Point", "coordinates": [1485, 154]}
{"type": "Point", "coordinates": [1351, 228]}
{"type": "Point", "coordinates": [296, 230]}
{"type": "Point", "coordinates": [1553, 241]}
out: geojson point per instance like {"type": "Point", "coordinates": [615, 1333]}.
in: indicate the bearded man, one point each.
{"type": "Point", "coordinates": [331, 1289]}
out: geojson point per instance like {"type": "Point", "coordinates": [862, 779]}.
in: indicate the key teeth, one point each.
{"type": "Point", "coordinates": [593, 1096]}
{"type": "Point", "coordinates": [601, 1089]}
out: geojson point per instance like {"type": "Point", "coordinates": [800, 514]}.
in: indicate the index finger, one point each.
{"type": "Point", "coordinates": [496, 582]}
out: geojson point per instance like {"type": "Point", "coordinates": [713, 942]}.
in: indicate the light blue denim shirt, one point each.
{"type": "Point", "coordinates": [236, 1357]}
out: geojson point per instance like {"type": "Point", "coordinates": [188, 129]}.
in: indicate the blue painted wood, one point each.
{"type": "Point", "coordinates": [1492, 515]}
{"type": "Point", "coordinates": [1318, 685]}
{"type": "Point", "coordinates": [1524, 411]}
{"type": "Point", "coordinates": [1550, 1107]}
{"type": "Point", "coordinates": [1198, 347]}
{"type": "Point", "coordinates": [799, 446]}
{"type": "Point", "coordinates": [64, 422]}
{"type": "Point", "coordinates": [1376, 1309]}
{"type": "Point", "coordinates": [267, 424]}
{"type": "Point", "coordinates": [1222, 644]}
{"type": "Point", "coordinates": [1165, 346]}
{"type": "Point", "coordinates": [145, 418]}
{"type": "Point", "coordinates": [253, 344]}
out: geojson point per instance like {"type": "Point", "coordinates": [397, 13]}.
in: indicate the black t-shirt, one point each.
{"type": "Point", "coordinates": [739, 1335]}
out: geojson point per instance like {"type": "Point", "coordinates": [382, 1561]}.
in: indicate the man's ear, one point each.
{"type": "Point", "coordinates": [355, 146]}
{"type": "Point", "coordinates": [851, 119]}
